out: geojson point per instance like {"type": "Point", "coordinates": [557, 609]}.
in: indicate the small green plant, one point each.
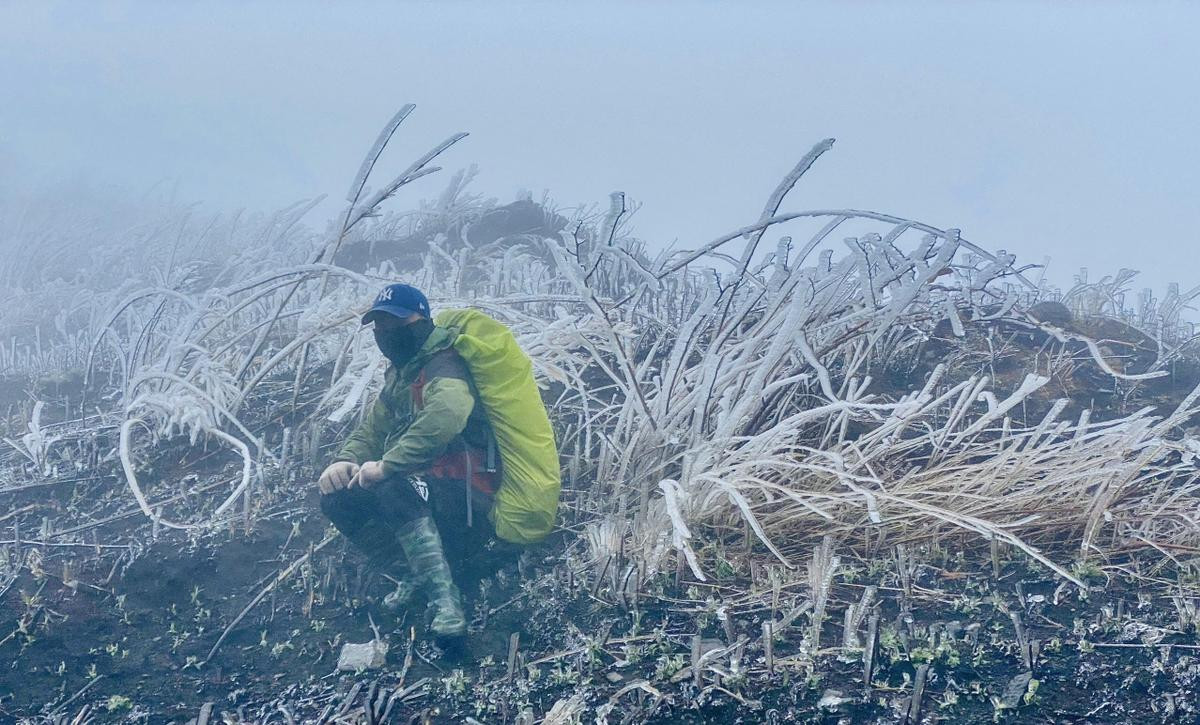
{"type": "Point", "coordinates": [946, 651]}
{"type": "Point", "coordinates": [949, 655]}
{"type": "Point", "coordinates": [118, 702]}
{"type": "Point", "coordinates": [1087, 570]}
{"type": "Point", "coordinates": [660, 645]}
{"type": "Point", "coordinates": [455, 684]}
{"type": "Point", "coordinates": [592, 651]}
{"type": "Point", "coordinates": [735, 681]}
{"type": "Point", "coordinates": [706, 617]}
{"type": "Point", "coordinates": [667, 666]}
{"type": "Point", "coordinates": [851, 574]}
{"type": "Point", "coordinates": [562, 675]}
{"type": "Point", "coordinates": [890, 642]}
{"type": "Point", "coordinates": [280, 647]}
{"type": "Point", "coordinates": [1030, 695]}
{"type": "Point", "coordinates": [120, 599]}
{"type": "Point", "coordinates": [724, 569]}
{"type": "Point", "coordinates": [918, 655]}
{"type": "Point", "coordinates": [633, 653]}
{"type": "Point", "coordinates": [968, 604]}
{"type": "Point", "coordinates": [878, 567]}
{"type": "Point", "coordinates": [949, 699]}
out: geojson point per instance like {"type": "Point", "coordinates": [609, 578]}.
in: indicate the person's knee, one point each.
{"type": "Point", "coordinates": [332, 504]}
{"type": "Point", "coordinates": [337, 505]}
{"type": "Point", "coordinates": [328, 501]}
{"type": "Point", "coordinates": [399, 500]}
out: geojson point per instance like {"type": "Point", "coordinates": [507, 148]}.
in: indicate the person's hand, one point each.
{"type": "Point", "coordinates": [337, 476]}
{"type": "Point", "coordinates": [369, 474]}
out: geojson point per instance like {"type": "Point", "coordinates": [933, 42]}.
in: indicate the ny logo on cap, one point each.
{"type": "Point", "coordinates": [385, 295]}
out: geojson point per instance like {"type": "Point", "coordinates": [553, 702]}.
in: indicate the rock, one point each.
{"type": "Point", "coordinates": [831, 699]}
{"type": "Point", "coordinates": [1054, 313]}
{"type": "Point", "coordinates": [367, 656]}
{"type": "Point", "coordinates": [522, 217]}
{"type": "Point", "coordinates": [510, 225]}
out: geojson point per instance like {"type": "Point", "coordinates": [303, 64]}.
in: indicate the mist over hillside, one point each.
{"type": "Point", "coordinates": [767, 362]}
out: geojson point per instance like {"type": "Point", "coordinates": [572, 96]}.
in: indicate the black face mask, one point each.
{"type": "Point", "coordinates": [401, 344]}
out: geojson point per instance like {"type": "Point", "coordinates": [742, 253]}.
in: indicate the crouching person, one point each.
{"type": "Point", "coordinates": [418, 476]}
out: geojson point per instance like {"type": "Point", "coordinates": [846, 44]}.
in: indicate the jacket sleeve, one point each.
{"type": "Point", "coordinates": [448, 403]}
{"type": "Point", "coordinates": [367, 440]}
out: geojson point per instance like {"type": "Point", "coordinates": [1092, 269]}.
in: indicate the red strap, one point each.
{"type": "Point", "coordinates": [453, 466]}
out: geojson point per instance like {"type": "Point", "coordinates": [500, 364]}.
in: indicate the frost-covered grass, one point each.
{"type": "Point", "coordinates": [727, 392]}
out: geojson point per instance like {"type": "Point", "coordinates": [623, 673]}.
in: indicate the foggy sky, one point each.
{"type": "Point", "coordinates": [1061, 129]}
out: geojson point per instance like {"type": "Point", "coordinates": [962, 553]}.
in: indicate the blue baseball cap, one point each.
{"type": "Point", "coordinates": [398, 300]}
